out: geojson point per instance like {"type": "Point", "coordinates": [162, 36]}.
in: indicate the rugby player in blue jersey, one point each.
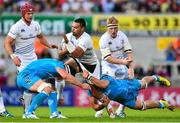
{"type": "Point", "coordinates": [32, 77]}
{"type": "Point", "coordinates": [126, 91]}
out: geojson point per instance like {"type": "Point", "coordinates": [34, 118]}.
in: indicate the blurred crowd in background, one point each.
{"type": "Point", "coordinates": [95, 6]}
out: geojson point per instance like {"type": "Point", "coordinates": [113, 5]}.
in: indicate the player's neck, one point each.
{"type": "Point", "coordinates": [77, 36]}
{"type": "Point", "coordinates": [27, 22]}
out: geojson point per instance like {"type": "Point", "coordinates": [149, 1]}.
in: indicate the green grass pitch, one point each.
{"type": "Point", "coordinates": [76, 114]}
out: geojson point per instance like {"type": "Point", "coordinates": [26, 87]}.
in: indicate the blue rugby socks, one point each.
{"type": "Point", "coordinates": [37, 100]}
{"type": "Point", "coordinates": [52, 101]}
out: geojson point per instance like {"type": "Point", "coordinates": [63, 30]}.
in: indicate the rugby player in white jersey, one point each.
{"type": "Point", "coordinates": [80, 45]}
{"type": "Point", "coordinates": [19, 42]}
{"type": "Point", "coordinates": [117, 56]}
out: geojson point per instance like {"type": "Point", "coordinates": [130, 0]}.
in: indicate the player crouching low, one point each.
{"type": "Point", "coordinates": [32, 77]}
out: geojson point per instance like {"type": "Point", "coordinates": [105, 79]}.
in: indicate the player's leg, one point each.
{"type": "Point", "coordinates": [44, 90]}
{"type": "Point", "coordinates": [120, 111]}
{"type": "Point", "coordinates": [109, 107]}
{"type": "Point", "coordinates": [150, 104]}
{"type": "Point", "coordinates": [3, 112]}
{"type": "Point", "coordinates": [121, 72]}
{"type": "Point", "coordinates": [26, 100]}
{"type": "Point", "coordinates": [150, 79]}
{"type": "Point", "coordinates": [53, 101]}
{"type": "Point", "coordinates": [60, 84]}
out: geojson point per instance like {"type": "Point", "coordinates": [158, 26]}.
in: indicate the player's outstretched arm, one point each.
{"type": "Point", "coordinates": [97, 82]}
{"type": "Point", "coordinates": [71, 79]}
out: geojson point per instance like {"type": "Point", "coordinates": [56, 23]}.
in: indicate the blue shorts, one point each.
{"type": "Point", "coordinates": [123, 91]}
{"type": "Point", "coordinates": [26, 80]}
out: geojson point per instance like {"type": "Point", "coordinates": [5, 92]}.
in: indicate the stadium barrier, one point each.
{"type": "Point", "coordinates": [78, 97]}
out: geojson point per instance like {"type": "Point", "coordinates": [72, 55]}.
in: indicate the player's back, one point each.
{"type": "Point", "coordinates": [44, 68]}
{"type": "Point", "coordinates": [120, 89]}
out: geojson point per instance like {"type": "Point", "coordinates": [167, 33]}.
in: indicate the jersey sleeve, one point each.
{"type": "Point", "coordinates": [127, 45]}
{"type": "Point", "coordinates": [84, 43]}
{"type": "Point", "coordinates": [38, 28]}
{"type": "Point", "coordinates": [104, 47]}
{"type": "Point", "coordinates": [103, 43]}
{"type": "Point", "coordinates": [13, 32]}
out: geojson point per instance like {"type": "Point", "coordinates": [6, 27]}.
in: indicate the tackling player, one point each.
{"type": "Point", "coordinates": [126, 91]}
{"type": "Point", "coordinates": [32, 77]}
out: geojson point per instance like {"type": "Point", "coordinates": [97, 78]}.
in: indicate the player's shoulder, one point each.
{"type": "Point", "coordinates": [120, 33]}
{"type": "Point", "coordinates": [35, 23]}
{"type": "Point", "coordinates": [18, 23]}
{"type": "Point", "coordinates": [69, 35]}
{"type": "Point", "coordinates": [104, 38]}
{"type": "Point", "coordinates": [86, 35]}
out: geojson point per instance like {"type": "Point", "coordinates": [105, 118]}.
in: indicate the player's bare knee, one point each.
{"type": "Point", "coordinates": [48, 90]}
{"type": "Point", "coordinates": [46, 87]}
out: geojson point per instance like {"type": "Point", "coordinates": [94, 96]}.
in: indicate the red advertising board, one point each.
{"type": "Point", "coordinates": [81, 98]}
{"type": "Point", "coordinates": [155, 93]}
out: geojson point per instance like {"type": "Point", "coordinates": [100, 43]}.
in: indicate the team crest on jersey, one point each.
{"type": "Point", "coordinates": [22, 30]}
{"type": "Point", "coordinates": [110, 43]}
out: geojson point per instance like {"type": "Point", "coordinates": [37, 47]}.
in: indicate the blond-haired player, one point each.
{"type": "Point", "coordinates": [117, 56]}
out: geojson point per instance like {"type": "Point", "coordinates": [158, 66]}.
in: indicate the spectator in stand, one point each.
{"type": "Point", "coordinates": [170, 53]}
{"type": "Point", "coordinates": [138, 71]}
{"type": "Point", "coordinates": [107, 6]}
{"type": "Point", "coordinates": [88, 6]}
{"type": "Point", "coordinates": [142, 6]}
{"type": "Point", "coordinates": [1, 6]}
{"type": "Point", "coordinates": [174, 6]}
{"type": "Point", "coordinates": [3, 76]}
{"type": "Point", "coordinates": [154, 6]}
{"type": "Point", "coordinates": [151, 71]}
{"type": "Point", "coordinates": [162, 71]}
{"type": "Point", "coordinates": [176, 46]}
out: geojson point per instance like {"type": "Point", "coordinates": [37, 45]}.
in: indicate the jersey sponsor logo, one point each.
{"type": "Point", "coordinates": [22, 30]}
{"type": "Point", "coordinates": [27, 80]}
{"type": "Point", "coordinates": [28, 38]}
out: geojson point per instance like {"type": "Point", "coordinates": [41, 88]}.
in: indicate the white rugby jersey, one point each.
{"type": "Point", "coordinates": [86, 43]}
{"type": "Point", "coordinates": [25, 36]}
{"type": "Point", "coordinates": [116, 46]}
